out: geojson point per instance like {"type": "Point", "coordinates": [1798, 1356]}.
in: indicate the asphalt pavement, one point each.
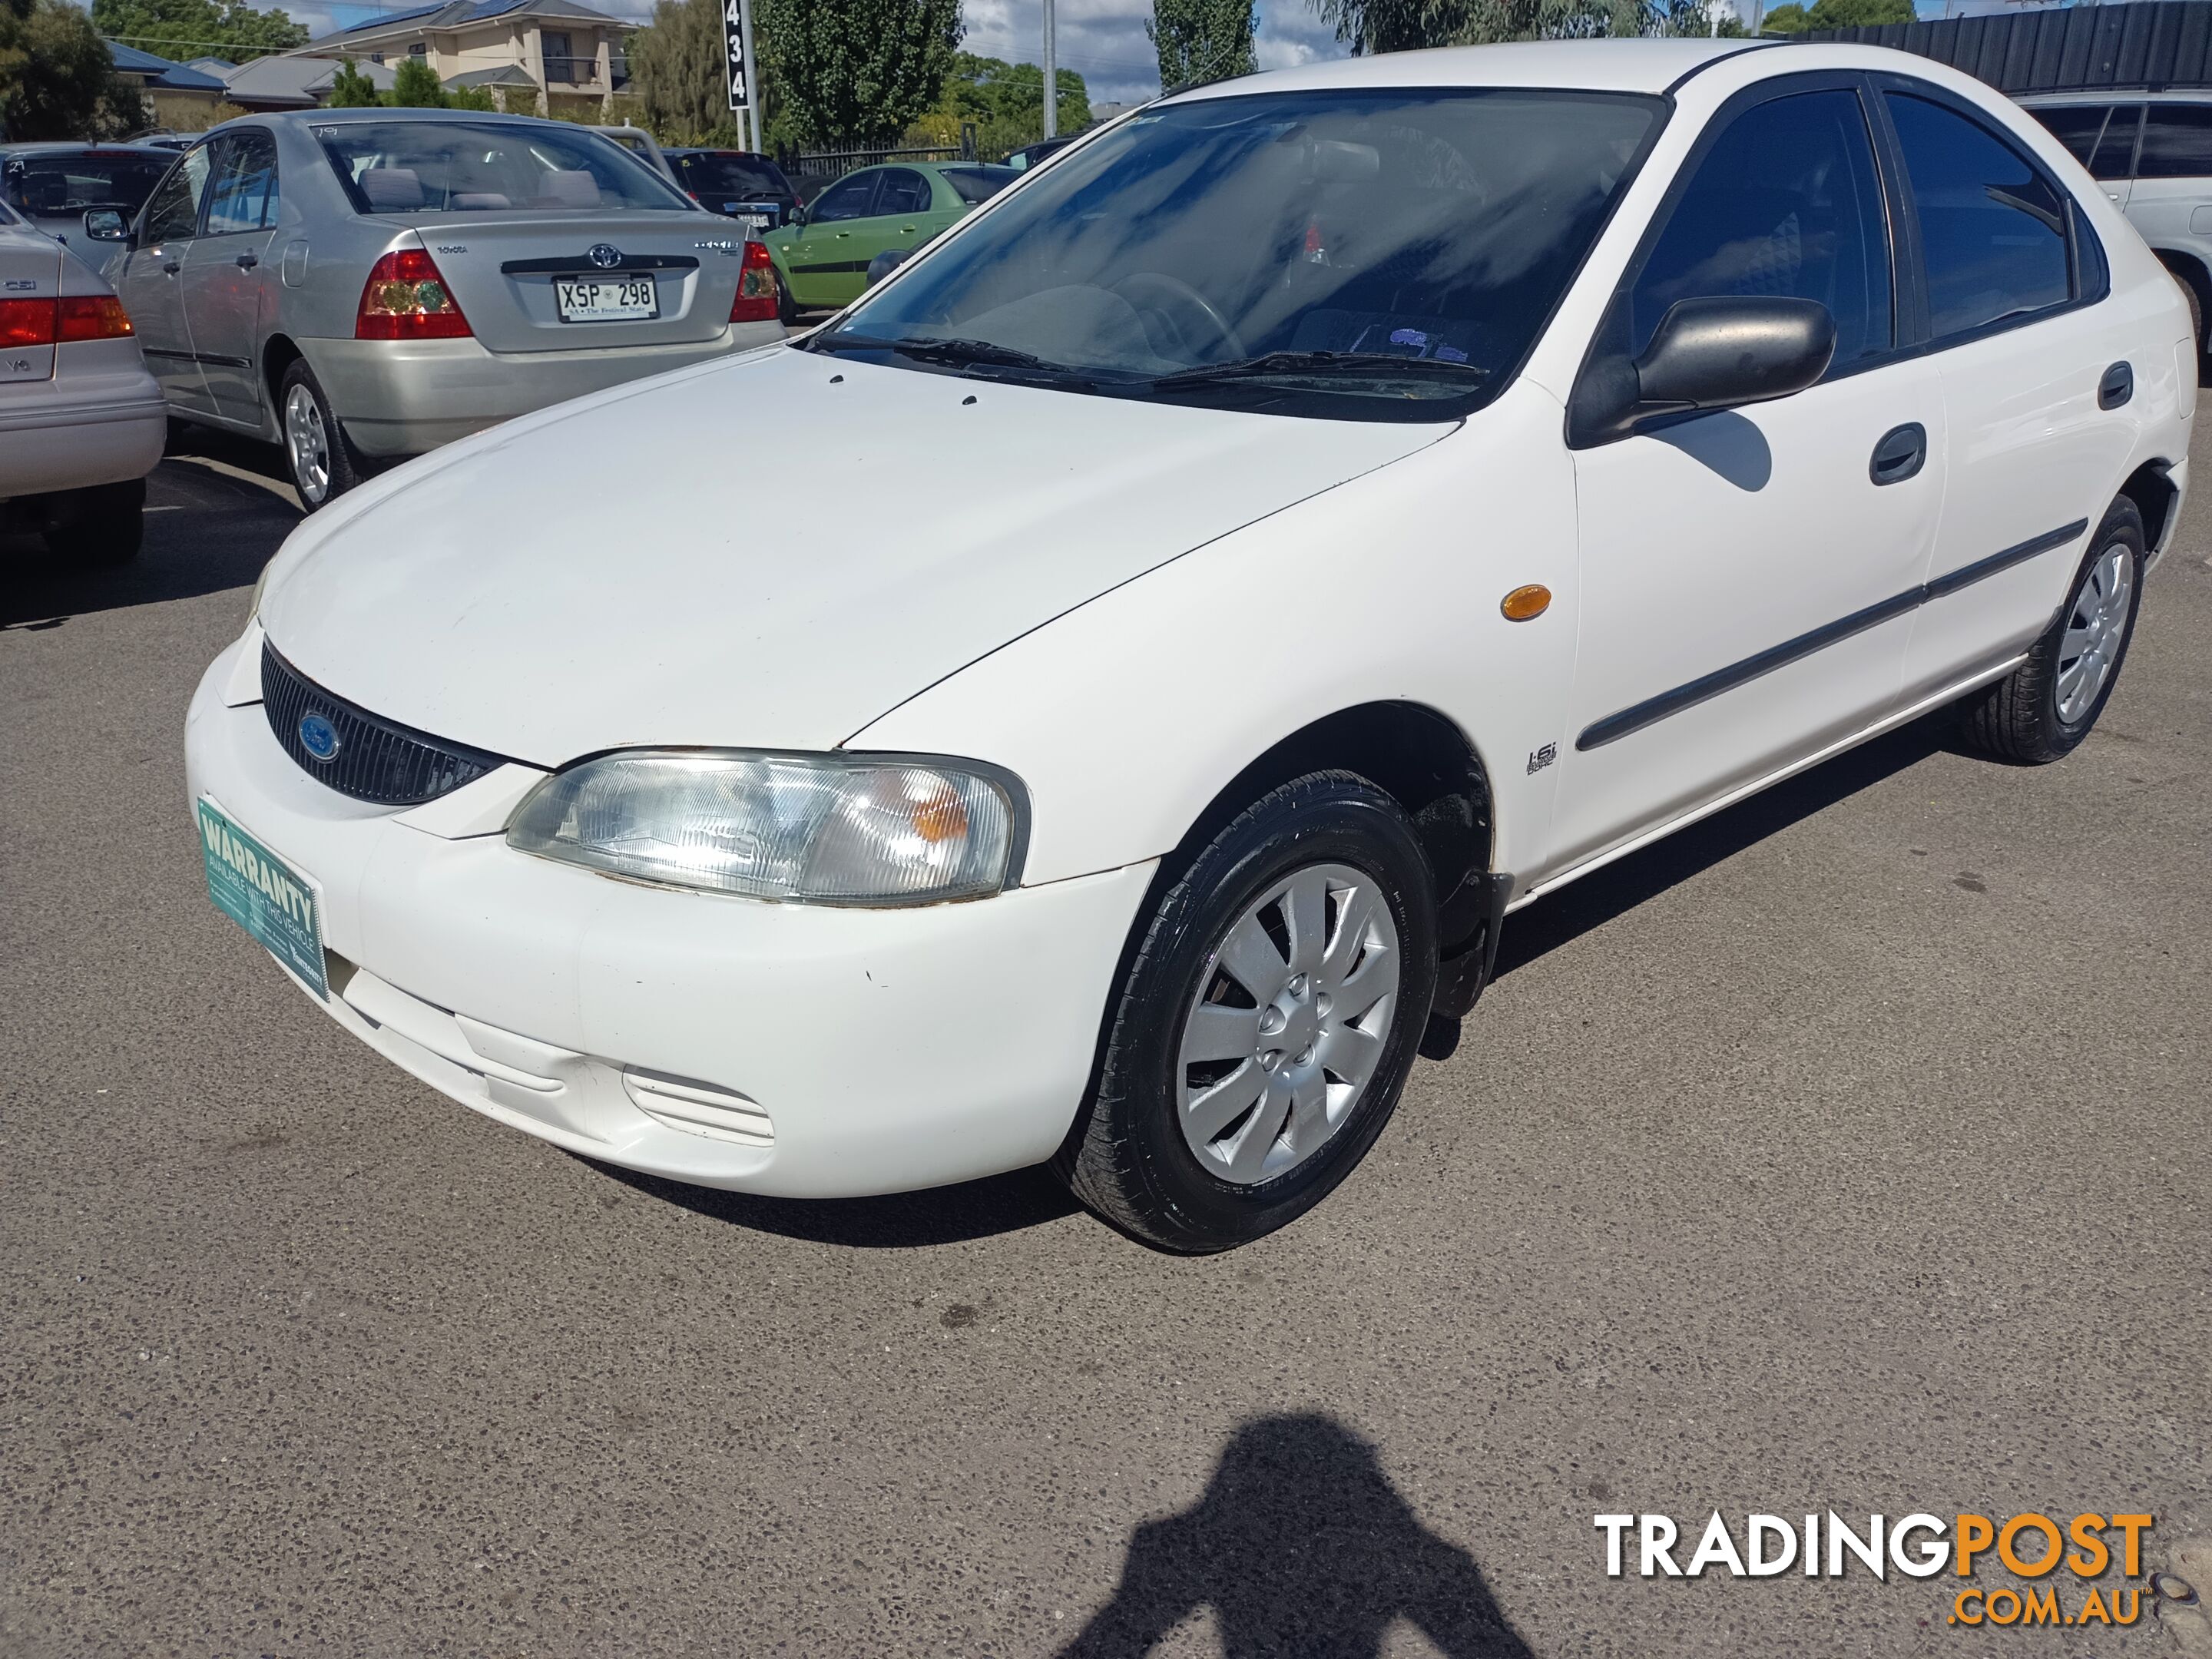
{"type": "Point", "coordinates": [1847, 1152]}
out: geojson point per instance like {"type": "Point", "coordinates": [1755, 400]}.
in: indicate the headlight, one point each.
{"type": "Point", "coordinates": [817, 829]}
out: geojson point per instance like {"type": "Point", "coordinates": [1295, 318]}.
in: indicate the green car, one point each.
{"type": "Point", "coordinates": [821, 257]}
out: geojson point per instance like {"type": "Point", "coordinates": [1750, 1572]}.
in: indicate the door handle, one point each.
{"type": "Point", "coordinates": [906, 230]}
{"type": "Point", "coordinates": [248, 261]}
{"type": "Point", "coordinates": [2117, 387]}
{"type": "Point", "coordinates": [1902, 453]}
{"type": "Point", "coordinates": [171, 266]}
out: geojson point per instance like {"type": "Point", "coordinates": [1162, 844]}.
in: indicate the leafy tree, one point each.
{"type": "Point", "coordinates": [196, 28]}
{"type": "Point", "coordinates": [1796, 18]}
{"type": "Point", "coordinates": [1004, 101]}
{"type": "Point", "coordinates": [1789, 19]}
{"type": "Point", "coordinates": [476, 98]}
{"type": "Point", "coordinates": [1199, 41]}
{"type": "Point", "coordinates": [414, 85]}
{"type": "Point", "coordinates": [1376, 26]}
{"type": "Point", "coordinates": [351, 89]}
{"type": "Point", "coordinates": [858, 71]}
{"type": "Point", "coordinates": [675, 72]}
{"type": "Point", "coordinates": [57, 77]}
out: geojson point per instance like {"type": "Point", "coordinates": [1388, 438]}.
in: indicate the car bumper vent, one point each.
{"type": "Point", "coordinates": [373, 759]}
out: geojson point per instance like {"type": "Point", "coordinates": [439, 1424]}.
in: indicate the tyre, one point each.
{"type": "Point", "coordinates": [316, 452]}
{"type": "Point", "coordinates": [102, 527]}
{"type": "Point", "coordinates": [786, 308]}
{"type": "Point", "coordinates": [1266, 1023]}
{"type": "Point", "coordinates": [2044, 707]}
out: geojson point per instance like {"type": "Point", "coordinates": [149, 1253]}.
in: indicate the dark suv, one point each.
{"type": "Point", "coordinates": [736, 184]}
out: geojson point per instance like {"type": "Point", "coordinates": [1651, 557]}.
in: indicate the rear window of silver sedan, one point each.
{"type": "Point", "coordinates": [459, 166]}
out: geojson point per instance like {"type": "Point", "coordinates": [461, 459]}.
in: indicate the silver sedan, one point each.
{"type": "Point", "coordinates": [365, 284]}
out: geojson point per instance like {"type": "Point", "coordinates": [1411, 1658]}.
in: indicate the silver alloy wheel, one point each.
{"type": "Point", "coordinates": [1287, 1027]}
{"type": "Point", "coordinates": [308, 444]}
{"type": "Point", "coordinates": [2093, 633]}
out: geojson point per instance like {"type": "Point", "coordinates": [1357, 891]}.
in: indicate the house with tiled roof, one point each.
{"type": "Point", "coordinates": [180, 96]}
{"type": "Point", "coordinates": [565, 54]}
{"type": "Point", "coordinates": [286, 81]}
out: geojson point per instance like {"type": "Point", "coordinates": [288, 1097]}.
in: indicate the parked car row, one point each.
{"type": "Point", "coordinates": [1416, 483]}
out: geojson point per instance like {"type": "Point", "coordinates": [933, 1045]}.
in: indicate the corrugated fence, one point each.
{"type": "Point", "coordinates": [2165, 43]}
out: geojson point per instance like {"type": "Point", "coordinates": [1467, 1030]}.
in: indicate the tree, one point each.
{"type": "Point", "coordinates": [351, 89]}
{"type": "Point", "coordinates": [1200, 40]}
{"type": "Point", "coordinates": [1004, 103]}
{"type": "Point", "coordinates": [1796, 18]}
{"type": "Point", "coordinates": [858, 71]}
{"type": "Point", "coordinates": [58, 79]}
{"type": "Point", "coordinates": [196, 28]}
{"type": "Point", "coordinates": [675, 72]}
{"type": "Point", "coordinates": [414, 85]}
{"type": "Point", "coordinates": [1377, 26]}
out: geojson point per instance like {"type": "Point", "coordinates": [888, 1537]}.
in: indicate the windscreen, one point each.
{"type": "Point", "coordinates": [49, 185]}
{"type": "Point", "coordinates": [1378, 253]}
{"type": "Point", "coordinates": [453, 167]}
{"type": "Point", "coordinates": [735, 176]}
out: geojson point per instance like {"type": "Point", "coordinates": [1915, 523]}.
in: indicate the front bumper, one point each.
{"type": "Point", "coordinates": [408, 397]}
{"type": "Point", "coordinates": [789, 1049]}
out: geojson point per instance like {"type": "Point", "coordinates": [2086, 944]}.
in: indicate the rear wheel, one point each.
{"type": "Point", "coordinates": [101, 527]}
{"type": "Point", "coordinates": [786, 308]}
{"type": "Point", "coordinates": [1266, 1025]}
{"type": "Point", "coordinates": [316, 453]}
{"type": "Point", "coordinates": [2042, 708]}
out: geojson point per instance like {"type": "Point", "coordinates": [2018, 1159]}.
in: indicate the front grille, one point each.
{"type": "Point", "coordinates": [375, 760]}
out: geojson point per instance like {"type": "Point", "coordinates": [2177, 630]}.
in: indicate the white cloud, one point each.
{"type": "Point", "coordinates": [1103, 41]}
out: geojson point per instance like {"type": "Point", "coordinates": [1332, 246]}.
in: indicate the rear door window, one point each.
{"type": "Point", "coordinates": [2077, 126]}
{"type": "Point", "coordinates": [1992, 226]}
{"type": "Point", "coordinates": [2116, 150]}
{"type": "Point", "coordinates": [903, 191]}
{"type": "Point", "coordinates": [2177, 142]}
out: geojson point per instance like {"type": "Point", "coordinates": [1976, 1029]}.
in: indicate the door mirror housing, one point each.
{"type": "Point", "coordinates": [1706, 354]}
{"type": "Point", "coordinates": [797, 220]}
{"type": "Point", "coordinates": [105, 225]}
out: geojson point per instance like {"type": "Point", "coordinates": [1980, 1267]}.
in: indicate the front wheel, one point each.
{"type": "Point", "coordinates": [1267, 1024]}
{"type": "Point", "coordinates": [2042, 708]}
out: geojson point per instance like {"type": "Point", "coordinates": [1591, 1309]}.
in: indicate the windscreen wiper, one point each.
{"type": "Point", "coordinates": [1371, 365]}
{"type": "Point", "coordinates": [955, 353]}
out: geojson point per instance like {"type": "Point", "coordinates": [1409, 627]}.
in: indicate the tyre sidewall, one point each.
{"type": "Point", "coordinates": [344, 475]}
{"type": "Point", "coordinates": [1328, 819]}
{"type": "Point", "coordinates": [2123, 527]}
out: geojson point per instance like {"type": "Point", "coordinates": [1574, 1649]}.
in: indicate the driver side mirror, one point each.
{"type": "Point", "coordinates": [105, 225]}
{"type": "Point", "coordinates": [798, 219]}
{"type": "Point", "coordinates": [1707, 354]}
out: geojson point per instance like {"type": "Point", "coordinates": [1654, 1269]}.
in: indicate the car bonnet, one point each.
{"type": "Point", "coordinates": [771, 552]}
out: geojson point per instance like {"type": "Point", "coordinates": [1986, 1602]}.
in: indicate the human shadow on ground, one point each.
{"type": "Point", "coordinates": [1300, 1544]}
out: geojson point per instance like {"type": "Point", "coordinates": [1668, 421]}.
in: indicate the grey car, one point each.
{"type": "Point", "coordinates": [361, 284]}
{"type": "Point", "coordinates": [52, 185]}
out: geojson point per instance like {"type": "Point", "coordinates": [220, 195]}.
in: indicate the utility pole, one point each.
{"type": "Point", "coordinates": [1051, 78]}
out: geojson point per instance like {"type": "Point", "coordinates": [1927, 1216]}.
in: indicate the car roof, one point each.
{"type": "Point", "coordinates": [1608, 65]}
{"type": "Point", "coordinates": [2117, 95]}
{"type": "Point", "coordinates": [321, 117]}
{"type": "Point", "coordinates": [69, 146]}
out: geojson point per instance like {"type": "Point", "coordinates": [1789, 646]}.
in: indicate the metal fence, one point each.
{"type": "Point", "coordinates": [812, 170]}
{"type": "Point", "coordinates": [2151, 44]}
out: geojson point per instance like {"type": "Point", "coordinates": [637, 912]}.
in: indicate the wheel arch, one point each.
{"type": "Point", "coordinates": [2151, 488]}
{"type": "Point", "coordinates": [1425, 761]}
{"type": "Point", "coordinates": [2189, 268]}
{"type": "Point", "coordinates": [278, 353]}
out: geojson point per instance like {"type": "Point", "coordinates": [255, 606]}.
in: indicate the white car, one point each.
{"type": "Point", "coordinates": [1394, 489]}
{"type": "Point", "coordinates": [81, 422]}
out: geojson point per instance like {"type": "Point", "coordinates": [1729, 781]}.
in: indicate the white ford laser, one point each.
{"type": "Point", "coordinates": [1396, 488]}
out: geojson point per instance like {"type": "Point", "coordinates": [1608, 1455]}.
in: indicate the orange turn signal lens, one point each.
{"type": "Point", "coordinates": [1526, 603]}
{"type": "Point", "coordinates": [941, 817]}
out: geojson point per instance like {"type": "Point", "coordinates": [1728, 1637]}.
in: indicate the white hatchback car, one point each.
{"type": "Point", "coordinates": [1413, 484]}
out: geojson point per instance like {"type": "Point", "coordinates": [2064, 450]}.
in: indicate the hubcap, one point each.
{"type": "Point", "coordinates": [1284, 1033]}
{"type": "Point", "coordinates": [307, 443]}
{"type": "Point", "coordinates": [2091, 646]}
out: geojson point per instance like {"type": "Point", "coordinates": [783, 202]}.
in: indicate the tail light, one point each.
{"type": "Point", "coordinates": [755, 298]}
{"type": "Point", "coordinates": [405, 299]}
{"type": "Point", "coordinates": [72, 317]}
